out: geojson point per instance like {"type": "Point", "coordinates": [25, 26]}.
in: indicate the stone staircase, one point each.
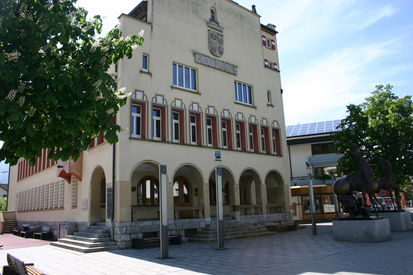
{"type": "Point", "coordinates": [9, 224]}
{"type": "Point", "coordinates": [95, 238]}
{"type": "Point", "coordinates": [232, 230]}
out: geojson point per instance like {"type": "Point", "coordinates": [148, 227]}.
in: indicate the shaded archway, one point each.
{"type": "Point", "coordinates": [228, 192]}
{"type": "Point", "coordinates": [145, 191]}
{"type": "Point", "coordinates": [187, 192]}
{"type": "Point", "coordinates": [250, 193]}
{"type": "Point", "coordinates": [98, 195]}
{"type": "Point", "coordinates": [275, 193]}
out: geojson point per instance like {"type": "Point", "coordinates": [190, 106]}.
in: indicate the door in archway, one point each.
{"type": "Point", "coordinates": [182, 191]}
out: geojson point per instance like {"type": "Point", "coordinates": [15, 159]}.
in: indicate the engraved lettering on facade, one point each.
{"type": "Point", "coordinates": [216, 64]}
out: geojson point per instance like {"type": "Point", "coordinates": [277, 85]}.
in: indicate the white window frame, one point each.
{"type": "Point", "coordinates": [209, 142]}
{"type": "Point", "coordinates": [136, 116]}
{"type": "Point", "coordinates": [193, 74]}
{"type": "Point", "coordinates": [147, 62]}
{"type": "Point", "coordinates": [224, 134]}
{"type": "Point", "coordinates": [251, 137]}
{"type": "Point", "coordinates": [243, 93]}
{"type": "Point", "coordinates": [193, 129]}
{"type": "Point", "coordinates": [174, 123]}
{"type": "Point", "coordinates": [238, 136]}
{"type": "Point", "coordinates": [263, 149]}
{"type": "Point", "coordinates": [154, 120]}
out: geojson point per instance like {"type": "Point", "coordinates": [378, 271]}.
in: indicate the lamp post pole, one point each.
{"type": "Point", "coordinates": [219, 201]}
{"type": "Point", "coordinates": [311, 193]}
{"type": "Point", "coordinates": [164, 240]}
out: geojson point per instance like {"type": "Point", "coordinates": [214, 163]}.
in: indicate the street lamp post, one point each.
{"type": "Point", "coordinates": [311, 193]}
{"type": "Point", "coordinates": [219, 201]}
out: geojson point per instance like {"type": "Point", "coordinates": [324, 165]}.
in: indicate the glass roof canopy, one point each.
{"type": "Point", "coordinates": [312, 128]}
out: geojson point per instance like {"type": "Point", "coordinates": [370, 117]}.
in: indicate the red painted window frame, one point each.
{"type": "Point", "coordinates": [142, 105]}
{"type": "Point", "coordinates": [229, 132]}
{"type": "Point", "coordinates": [277, 144]}
{"type": "Point", "coordinates": [254, 136]}
{"type": "Point", "coordinates": [181, 124]}
{"type": "Point", "coordinates": [266, 139]}
{"type": "Point", "coordinates": [163, 120]}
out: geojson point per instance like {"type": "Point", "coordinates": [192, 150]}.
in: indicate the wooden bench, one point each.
{"type": "Point", "coordinates": [151, 239]}
{"type": "Point", "coordinates": [17, 267]}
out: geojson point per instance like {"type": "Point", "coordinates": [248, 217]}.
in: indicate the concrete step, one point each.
{"type": "Point", "coordinates": [230, 237]}
{"type": "Point", "coordinates": [96, 230]}
{"type": "Point", "coordinates": [86, 239]}
{"type": "Point", "coordinates": [234, 232]}
{"type": "Point", "coordinates": [81, 248]}
{"type": "Point", "coordinates": [91, 235]}
{"type": "Point", "coordinates": [84, 243]}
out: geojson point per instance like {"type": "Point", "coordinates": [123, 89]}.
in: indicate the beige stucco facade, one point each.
{"type": "Point", "coordinates": [175, 32]}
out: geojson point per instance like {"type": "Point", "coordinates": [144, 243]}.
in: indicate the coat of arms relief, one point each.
{"type": "Point", "coordinates": [216, 43]}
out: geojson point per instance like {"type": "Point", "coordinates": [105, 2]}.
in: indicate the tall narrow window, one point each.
{"type": "Point", "coordinates": [176, 129]}
{"type": "Point", "coordinates": [238, 136]}
{"type": "Point", "coordinates": [145, 63]}
{"type": "Point", "coordinates": [156, 124]}
{"type": "Point", "coordinates": [263, 148]}
{"type": "Point", "coordinates": [209, 131]}
{"type": "Point", "coordinates": [193, 129]}
{"type": "Point", "coordinates": [136, 121]}
{"type": "Point", "coordinates": [184, 77]}
{"type": "Point", "coordinates": [251, 137]}
{"type": "Point", "coordinates": [276, 141]}
{"type": "Point", "coordinates": [269, 99]}
{"type": "Point", "coordinates": [224, 134]}
{"type": "Point", "coordinates": [213, 16]}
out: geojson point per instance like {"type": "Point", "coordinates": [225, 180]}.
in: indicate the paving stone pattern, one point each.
{"type": "Point", "coordinates": [296, 252]}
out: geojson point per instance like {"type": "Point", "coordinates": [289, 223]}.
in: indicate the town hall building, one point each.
{"type": "Point", "coordinates": [206, 79]}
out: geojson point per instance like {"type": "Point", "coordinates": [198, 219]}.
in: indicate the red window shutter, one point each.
{"type": "Point", "coordinates": [163, 124]}
{"type": "Point", "coordinates": [181, 126]}
{"type": "Point", "coordinates": [264, 41]}
{"type": "Point", "coordinates": [255, 136]}
{"type": "Point", "coordinates": [18, 171]}
{"type": "Point", "coordinates": [37, 165]}
{"type": "Point", "coordinates": [100, 139]}
{"type": "Point", "coordinates": [92, 143]}
{"type": "Point", "coordinates": [277, 141]}
{"type": "Point", "coordinates": [229, 133]}
{"type": "Point", "coordinates": [267, 141]}
{"type": "Point", "coordinates": [273, 45]}
{"type": "Point", "coordinates": [44, 159]}
{"type": "Point", "coordinates": [243, 143]}
{"type": "Point", "coordinates": [143, 117]}
{"type": "Point", "coordinates": [198, 129]}
{"type": "Point", "coordinates": [214, 132]}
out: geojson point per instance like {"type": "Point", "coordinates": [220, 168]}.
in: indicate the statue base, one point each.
{"type": "Point", "coordinates": [376, 230]}
{"type": "Point", "coordinates": [399, 221]}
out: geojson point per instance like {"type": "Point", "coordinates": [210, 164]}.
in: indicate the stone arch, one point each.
{"type": "Point", "coordinates": [187, 191]}
{"type": "Point", "coordinates": [250, 192]}
{"type": "Point", "coordinates": [97, 211]}
{"type": "Point", "coordinates": [228, 191]}
{"type": "Point", "coordinates": [275, 192]}
{"type": "Point", "coordinates": [144, 180]}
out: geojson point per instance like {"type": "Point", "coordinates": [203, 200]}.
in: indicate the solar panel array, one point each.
{"type": "Point", "coordinates": [312, 128]}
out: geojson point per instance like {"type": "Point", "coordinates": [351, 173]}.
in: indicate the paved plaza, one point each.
{"type": "Point", "coordinates": [296, 252]}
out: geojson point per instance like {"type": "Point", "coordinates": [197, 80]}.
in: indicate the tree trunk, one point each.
{"type": "Point", "coordinates": [398, 199]}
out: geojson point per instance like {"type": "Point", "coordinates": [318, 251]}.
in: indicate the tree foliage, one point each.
{"type": "Point", "coordinates": [382, 127]}
{"type": "Point", "coordinates": [55, 89]}
{"type": "Point", "coordinates": [3, 204]}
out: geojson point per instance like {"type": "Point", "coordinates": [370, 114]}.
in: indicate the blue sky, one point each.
{"type": "Point", "coordinates": [332, 52]}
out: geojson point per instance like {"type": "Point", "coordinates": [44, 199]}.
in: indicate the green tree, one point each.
{"type": "Point", "coordinates": [382, 127]}
{"type": "Point", "coordinates": [55, 89]}
{"type": "Point", "coordinates": [3, 204]}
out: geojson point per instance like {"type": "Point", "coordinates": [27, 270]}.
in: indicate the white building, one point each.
{"type": "Point", "coordinates": [206, 78]}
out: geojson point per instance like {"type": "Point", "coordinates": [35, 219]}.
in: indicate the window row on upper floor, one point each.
{"type": "Point", "coordinates": [156, 120]}
{"type": "Point", "coordinates": [186, 78]}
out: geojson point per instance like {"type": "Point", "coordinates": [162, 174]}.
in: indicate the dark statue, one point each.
{"type": "Point", "coordinates": [362, 181]}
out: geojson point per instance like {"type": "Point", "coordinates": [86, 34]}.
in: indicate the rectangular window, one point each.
{"type": "Point", "coordinates": [243, 93]}
{"type": "Point", "coordinates": [176, 129]}
{"type": "Point", "coordinates": [251, 138]}
{"type": "Point", "coordinates": [209, 131]}
{"type": "Point", "coordinates": [184, 77]}
{"type": "Point", "coordinates": [276, 141]}
{"type": "Point", "coordinates": [192, 129]}
{"type": "Point", "coordinates": [156, 124]}
{"type": "Point", "coordinates": [238, 136]}
{"type": "Point", "coordinates": [269, 98]}
{"type": "Point", "coordinates": [145, 63]}
{"type": "Point", "coordinates": [224, 134]}
{"type": "Point", "coordinates": [262, 140]}
{"type": "Point", "coordinates": [138, 120]}
{"type": "Point", "coordinates": [323, 148]}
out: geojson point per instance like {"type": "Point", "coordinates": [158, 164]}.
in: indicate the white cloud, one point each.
{"type": "Point", "coordinates": [328, 85]}
{"type": "Point", "coordinates": [369, 18]}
